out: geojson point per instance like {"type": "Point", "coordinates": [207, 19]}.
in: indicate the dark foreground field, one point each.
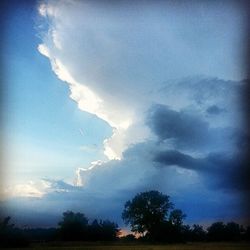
{"type": "Point", "coordinates": [188, 246]}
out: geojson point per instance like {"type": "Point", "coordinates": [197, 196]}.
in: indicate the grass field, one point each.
{"type": "Point", "coordinates": [189, 246]}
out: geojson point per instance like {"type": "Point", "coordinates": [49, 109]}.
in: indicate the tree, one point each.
{"type": "Point", "coordinates": [11, 236]}
{"type": "Point", "coordinates": [109, 230]}
{"type": "Point", "coordinates": [146, 211]}
{"type": "Point", "coordinates": [217, 231]}
{"type": "Point", "coordinates": [128, 238]}
{"type": "Point", "coordinates": [233, 231]}
{"type": "Point", "coordinates": [95, 231]}
{"type": "Point", "coordinates": [247, 233]}
{"type": "Point", "coordinates": [5, 224]}
{"type": "Point", "coordinates": [198, 233]}
{"type": "Point", "coordinates": [103, 230]}
{"type": "Point", "coordinates": [176, 217]}
{"type": "Point", "coordinates": [73, 226]}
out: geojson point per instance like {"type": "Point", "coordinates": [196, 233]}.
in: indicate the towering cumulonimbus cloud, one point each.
{"type": "Point", "coordinates": [146, 70]}
{"type": "Point", "coordinates": [114, 56]}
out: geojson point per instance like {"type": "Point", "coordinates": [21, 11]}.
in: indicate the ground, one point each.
{"type": "Point", "coordinates": [188, 246]}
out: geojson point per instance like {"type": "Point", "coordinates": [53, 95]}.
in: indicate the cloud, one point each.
{"type": "Point", "coordinates": [218, 170]}
{"type": "Point", "coordinates": [190, 131]}
{"type": "Point", "coordinates": [176, 158]}
{"type": "Point", "coordinates": [180, 168]}
{"type": "Point", "coordinates": [128, 65]}
{"type": "Point", "coordinates": [199, 93]}
{"type": "Point", "coordinates": [107, 186]}
{"type": "Point", "coordinates": [214, 110]}
{"type": "Point", "coordinates": [180, 126]}
{"type": "Point", "coordinates": [100, 51]}
{"type": "Point", "coordinates": [218, 155]}
{"type": "Point", "coordinates": [29, 189]}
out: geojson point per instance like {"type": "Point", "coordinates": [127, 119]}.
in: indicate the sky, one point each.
{"type": "Point", "coordinates": [102, 100]}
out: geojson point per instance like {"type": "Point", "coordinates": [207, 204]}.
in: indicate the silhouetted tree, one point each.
{"type": "Point", "coordinates": [232, 231]}
{"type": "Point", "coordinates": [176, 217]}
{"type": "Point", "coordinates": [216, 232]}
{"type": "Point", "coordinates": [146, 211]}
{"type": "Point", "coordinates": [185, 233]}
{"type": "Point", "coordinates": [10, 236]}
{"type": "Point", "coordinates": [173, 229]}
{"type": "Point", "coordinates": [109, 230]}
{"type": "Point", "coordinates": [165, 232]}
{"type": "Point", "coordinates": [41, 234]}
{"type": "Point", "coordinates": [5, 224]}
{"type": "Point", "coordinates": [102, 231]}
{"type": "Point", "coordinates": [94, 231]}
{"type": "Point", "coordinates": [247, 234]}
{"type": "Point", "coordinates": [197, 233]}
{"type": "Point", "coordinates": [73, 226]}
{"type": "Point", "coordinates": [128, 238]}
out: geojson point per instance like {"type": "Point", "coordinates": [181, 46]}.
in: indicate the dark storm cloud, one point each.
{"type": "Point", "coordinates": [180, 126]}
{"type": "Point", "coordinates": [219, 170]}
{"type": "Point", "coordinates": [230, 171]}
{"type": "Point", "coordinates": [189, 131]}
{"type": "Point", "coordinates": [174, 157]}
{"type": "Point", "coordinates": [214, 110]}
{"type": "Point", "coordinates": [224, 162]}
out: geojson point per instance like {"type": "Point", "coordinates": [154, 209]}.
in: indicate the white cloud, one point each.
{"type": "Point", "coordinates": [42, 9]}
{"type": "Point", "coordinates": [43, 50]}
{"type": "Point", "coordinates": [117, 60]}
{"type": "Point", "coordinates": [29, 189]}
{"type": "Point", "coordinates": [113, 58]}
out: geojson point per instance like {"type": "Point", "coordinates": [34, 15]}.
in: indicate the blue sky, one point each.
{"type": "Point", "coordinates": [40, 120]}
{"type": "Point", "coordinates": [104, 101]}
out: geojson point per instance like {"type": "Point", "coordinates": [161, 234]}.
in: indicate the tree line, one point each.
{"type": "Point", "coordinates": [153, 217]}
{"type": "Point", "coordinates": [150, 215]}
{"type": "Point", "coordinates": [72, 227]}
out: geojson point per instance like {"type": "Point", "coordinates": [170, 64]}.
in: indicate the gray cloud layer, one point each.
{"type": "Point", "coordinates": [187, 157]}
{"type": "Point", "coordinates": [189, 130]}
